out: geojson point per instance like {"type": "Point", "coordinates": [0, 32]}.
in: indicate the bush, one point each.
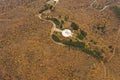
{"type": "Point", "coordinates": [81, 45]}
{"type": "Point", "coordinates": [93, 42]}
{"type": "Point", "coordinates": [74, 26]}
{"type": "Point", "coordinates": [96, 54]}
{"type": "Point", "coordinates": [110, 46]}
{"type": "Point", "coordinates": [75, 44]}
{"type": "Point", "coordinates": [46, 7]}
{"type": "Point", "coordinates": [82, 35]}
{"type": "Point", "coordinates": [116, 10]}
{"type": "Point", "coordinates": [101, 27]}
{"type": "Point", "coordinates": [66, 18]}
{"type": "Point", "coordinates": [62, 22]}
{"type": "Point", "coordinates": [57, 22]}
{"type": "Point", "coordinates": [55, 38]}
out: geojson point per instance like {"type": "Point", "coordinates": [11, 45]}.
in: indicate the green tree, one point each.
{"type": "Point", "coordinates": [74, 26]}
{"type": "Point", "coordinates": [116, 10]}
{"type": "Point", "coordinates": [55, 38]}
{"type": "Point", "coordinates": [82, 34]}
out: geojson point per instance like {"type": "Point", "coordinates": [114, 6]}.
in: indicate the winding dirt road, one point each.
{"type": "Point", "coordinates": [53, 29]}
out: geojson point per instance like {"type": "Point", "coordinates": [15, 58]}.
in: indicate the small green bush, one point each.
{"type": "Point", "coordinates": [82, 34]}
{"type": "Point", "coordinates": [57, 22]}
{"type": "Point", "coordinates": [62, 22]}
{"type": "Point", "coordinates": [55, 38]}
{"type": "Point", "coordinates": [93, 42]}
{"type": "Point", "coordinates": [46, 7]}
{"type": "Point", "coordinates": [96, 54]}
{"type": "Point", "coordinates": [75, 44]}
{"type": "Point", "coordinates": [116, 10]}
{"type": "Point", "coordinates": [66, 18]}
{"type": "Point", "coordinates": [101, 27]}
{"type": "Point", "coordinates": [74, 26]}
{"type": "Point", "coordinates": [110, 46]}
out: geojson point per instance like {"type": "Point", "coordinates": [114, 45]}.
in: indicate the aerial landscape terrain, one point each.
{"type": "Point", "coordinates": [59, 39]}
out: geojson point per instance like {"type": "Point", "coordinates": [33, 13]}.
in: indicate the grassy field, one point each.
{"type": "Point", "coordinates": [28, 53]}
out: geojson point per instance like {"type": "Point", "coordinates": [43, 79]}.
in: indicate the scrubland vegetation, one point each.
{"type": "Point", "coordinates": [28, 53]}
{"type": "Point", "coordinates": [116, 10]}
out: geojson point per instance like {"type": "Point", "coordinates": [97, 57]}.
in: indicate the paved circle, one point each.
{"type": "Point", "coordinates": [67, 33]}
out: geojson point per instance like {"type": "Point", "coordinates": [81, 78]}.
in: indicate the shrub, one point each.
{"type": "Point", "coordinates": [55, 38]}
{"type": "Point", "coordinates": [62, 22]}
{"type": "Point", "coordinates": [96, 54]}
{"type": "Point", "coordinates": [57, 22]}
{"type": "Point", "coordinates": [100, 28]}
{"type": "Point", "coordinates": [110, 47]}
{"type": "Point", "coordinates": [46, 7]}
{"type": "Point", "coordinates": [75, 44]}
{"type": "Point", "coordinates": [81, 45]}
{"type": "Point", "coordinates": [116, 10]}
{"type": "Point", "coordinates": [82, 34]}
{"type": "Point", "coordinates": [66, 18]}
{"type": "Point", "coordinates": [92, 41]}
{"type": "Point", "coordinates": [74, 26]}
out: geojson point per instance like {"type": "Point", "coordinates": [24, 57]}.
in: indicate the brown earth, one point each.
{"type": "Point", "coordinates": [28, 53]}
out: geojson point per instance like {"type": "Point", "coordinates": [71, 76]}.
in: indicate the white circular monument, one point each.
{"type": "Point", "coordinates": [52, 1]}
{"type": "Point", "coordinates": [67, 33]}
{"type": "Point", "coordinates": [56, 0]}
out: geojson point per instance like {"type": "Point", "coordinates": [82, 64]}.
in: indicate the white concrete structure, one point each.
{"type": "Point", "coordinates": [67, 33]}
{"type": "Point", "coordinates": [56, 1]}
{"type": "Point", "coordinates": [52, 1]}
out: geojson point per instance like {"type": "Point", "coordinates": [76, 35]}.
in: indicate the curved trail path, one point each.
{"type": "Point", "coordinates": [53, 29]}
{"type": "Point", "coordinates": [106, 6]}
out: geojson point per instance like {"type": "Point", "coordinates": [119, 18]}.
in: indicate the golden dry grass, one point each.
{"type": "Point", "coordinates": [28, 53]}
